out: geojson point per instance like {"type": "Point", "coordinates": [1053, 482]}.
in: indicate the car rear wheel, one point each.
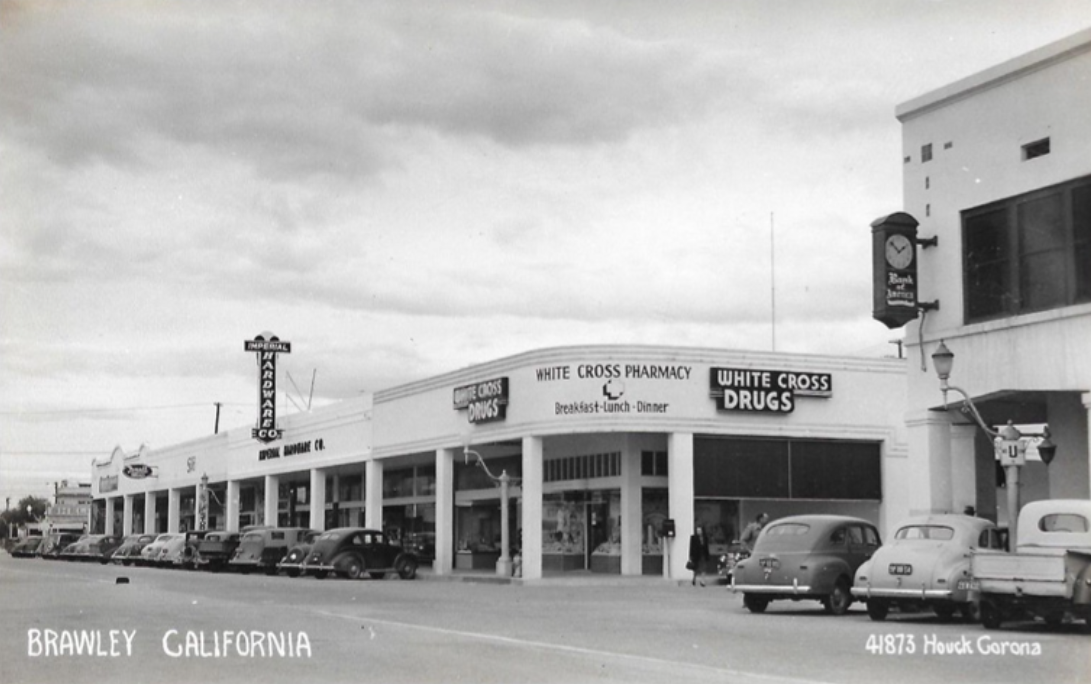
{"type": "Point", "coordinates": [944, 611]}
{"type": "Point", "coordinates": [991, 617]}
{"type": "Point", "coordinates": [755, 604]}
{"type": "Point", "coordinates": [407, 568]}
{"type": "Point", "coordinates": [877, 610]}
{"type": "Point", "coordinates": [354, 569]}
{"type": "Point", "coordinates": [839, 600]}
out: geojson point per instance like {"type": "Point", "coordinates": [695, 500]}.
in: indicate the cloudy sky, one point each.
{"type": "Point", "coordinates": [406, 188]}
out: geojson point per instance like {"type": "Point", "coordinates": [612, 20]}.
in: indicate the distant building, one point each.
{"type": "Point", "coordinates": [71, 508]}
{"type": "Point", "coordinates": [998, 167]}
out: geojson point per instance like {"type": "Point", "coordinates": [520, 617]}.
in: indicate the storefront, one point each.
{"type": "Point", "coordinates": [597, 445]}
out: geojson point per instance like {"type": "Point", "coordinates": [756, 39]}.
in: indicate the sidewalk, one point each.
{"type": "Point", "coordinates": [571, 578]}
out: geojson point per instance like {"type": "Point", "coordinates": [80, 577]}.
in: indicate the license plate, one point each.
{"type": "Point", "coordinates": [901, 569]}
{"type": "Point", "coordinates": [968, 585]}
{"type": "Point", "coordinates": [769, 563]}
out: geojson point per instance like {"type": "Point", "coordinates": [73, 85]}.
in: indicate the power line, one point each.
{"type": "Point", "coordinates": [114, 410]}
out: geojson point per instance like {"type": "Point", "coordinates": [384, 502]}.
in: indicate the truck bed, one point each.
{"type": "Point", "coordinates": [1022, 573]}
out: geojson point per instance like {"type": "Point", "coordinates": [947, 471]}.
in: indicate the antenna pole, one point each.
{"type": "Point", "coordinates": [311, 395]}
{"type": "Point", "coordinates": [217, 430]}
{"type": "Point", "coordinates": [773, 279]}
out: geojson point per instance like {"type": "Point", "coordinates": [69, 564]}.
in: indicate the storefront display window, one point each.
{"type": "Point", "coordinates": [654, 509]}
{"type": "Point", "coordinates": [721, 522]}
{"type": "Point", "coordinates": [581, 530]}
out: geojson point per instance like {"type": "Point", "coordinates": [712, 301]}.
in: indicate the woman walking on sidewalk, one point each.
{"type": "Point", "coordinates": [698, 555]}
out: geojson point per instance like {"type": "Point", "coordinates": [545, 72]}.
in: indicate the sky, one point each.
{"type": "Point", "coordinates": [402, 189]}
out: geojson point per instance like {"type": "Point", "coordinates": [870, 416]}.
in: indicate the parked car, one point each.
{"type": "Point", "coordinates": [216, 549]}
{"type": "Point", "coordinates": [261, 549]}
{"type": "Point", "coordinates": [926, 564]}
{"type": "Point", "coordinates": [150, 554]}
{"type": "Point", "coordinates": [74, 550]}
{"type": "Point", "coordinates": [292, 563]}
{"type": "Point", "coordinates": [352, 551]}
{"type": "Point", "coordinates": [27, 548]}
{"type": "Point", "coordinates": [179, 550]}
{"type": "Point", "coordinates": [422, 545]}
{"type": "Point", "coordinates": [93, 547]}
{"type": "Point", "coordinates": [806, 557]}
{"type": "Point", "coordinates": [131, 546]}
{"type": "Point", "coordinates": [55, 543]}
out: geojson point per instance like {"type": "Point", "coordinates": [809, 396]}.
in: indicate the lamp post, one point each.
{"type": "Point", "coordinates": [503, 564]}
{"type": "Point", "coordinates": [1009, 443]}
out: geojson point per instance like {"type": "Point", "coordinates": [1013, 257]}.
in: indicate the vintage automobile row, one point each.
{"type": "Point", "coordinates": [950, 564]}
{"type": "Point", "coordinates": [348, 552]}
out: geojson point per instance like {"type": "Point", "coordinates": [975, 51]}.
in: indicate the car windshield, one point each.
{"type": "Point", "coordinates": [252, 537]}
{"type": "Point", "coordinates": [1063, 522]}
{"type": "Point", "coordinates": [931, 532]}
{"type": "Point", "coordinates": [330, 536]}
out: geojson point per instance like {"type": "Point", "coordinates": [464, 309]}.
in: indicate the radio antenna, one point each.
{"type": "Point", "coordinates": [773, 278]}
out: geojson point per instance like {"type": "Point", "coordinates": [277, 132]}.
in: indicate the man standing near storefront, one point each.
{"type": "Point", "coordinates": [750, 534]}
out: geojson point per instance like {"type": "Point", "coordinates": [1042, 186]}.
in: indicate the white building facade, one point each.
{"type": "Point", "coordinates": [602, 444]}
{"type": "Point", "coordinates": [997, 166]}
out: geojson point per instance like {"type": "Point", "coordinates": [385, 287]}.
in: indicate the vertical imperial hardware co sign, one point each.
{"type": "Point", "coordinates": [267, 346]}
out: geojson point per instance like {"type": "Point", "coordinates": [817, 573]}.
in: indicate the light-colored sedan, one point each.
{"type": "Point", "coordinates": [925, 565]}
{"type": "Point", "coordinates": [150, 554]}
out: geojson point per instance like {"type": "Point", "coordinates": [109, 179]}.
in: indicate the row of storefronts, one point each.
{"type": "Point", "coordinates": [600, 444]}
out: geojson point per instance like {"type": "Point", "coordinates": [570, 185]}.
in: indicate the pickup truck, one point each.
{"type": "Point", "coordinates": [1048, 575]}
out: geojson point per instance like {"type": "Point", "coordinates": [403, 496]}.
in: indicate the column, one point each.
{"type": "Point", "coordinates": [232, 511]}
{"type": "Point", "coordinates": [963, 468]}
{"type": "Point", "coordinates": [109, 501]}
{"type": "Point", "coordinates": [928, 483]}
{"type": "Point", "coordinates": [373, 504]}
{"type": "Point", "coordinates": [127, 515]}
{"type": "Point", "coordinates": [533, 453]}
{"type": "Point", "coordinates": [272, 499]}
{"type": "Point", "coordinates": [445, 512]}
{"type": "Point", "coordinates": [317, 496]}
{"type": "Point", "coordinates": [149, 513]}
{"type": "Point", "coordinates": [680, 506]}
{"type": "Point", "coordinates": [632, 534]}
{"type": "Point", "coordinates": [174, 513]}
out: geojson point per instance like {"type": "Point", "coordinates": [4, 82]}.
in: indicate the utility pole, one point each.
{"type": "Point", "coordinates": [217, 430]}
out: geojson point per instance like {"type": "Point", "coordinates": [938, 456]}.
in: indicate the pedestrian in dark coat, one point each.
{"type": "Point", "coordinates": [698, 555]}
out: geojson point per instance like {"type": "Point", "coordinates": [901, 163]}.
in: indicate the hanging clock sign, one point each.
{"type": "Point", "coordinates": [894, 269]}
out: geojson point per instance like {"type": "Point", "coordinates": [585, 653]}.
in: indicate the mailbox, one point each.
{"type": "Point", "coordinates": [668, 528]}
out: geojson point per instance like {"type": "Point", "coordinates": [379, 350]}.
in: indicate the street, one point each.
{"type": "Point", "coordinates": [75, 623]}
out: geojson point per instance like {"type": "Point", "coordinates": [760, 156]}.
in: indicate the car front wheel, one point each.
{"type": "Point", "coordinates": [990, 615]}
{"type": "Point", "coordinates": [838, 602]}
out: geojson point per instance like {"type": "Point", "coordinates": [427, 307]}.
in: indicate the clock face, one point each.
{"type": "Point", "coordinates": [899, 251]}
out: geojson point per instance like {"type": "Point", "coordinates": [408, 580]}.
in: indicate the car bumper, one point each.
{"type": "Point", "coordinates": [908, 593]}
{"type": "Point", "coordinates": [793, 589]}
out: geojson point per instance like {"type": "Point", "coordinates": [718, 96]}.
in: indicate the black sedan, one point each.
{"type": "Point", "coordinates": [352, 551]}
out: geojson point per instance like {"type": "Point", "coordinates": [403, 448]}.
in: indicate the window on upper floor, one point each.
{"type": "Point", "coordinates": [1028, 253]}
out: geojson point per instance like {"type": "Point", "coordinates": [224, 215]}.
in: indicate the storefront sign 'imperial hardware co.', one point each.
{"type": "Point", "coordinates": [765, 391]}
{"type": "Point", "coordinates": [484, 402]}
{"type": "Point", "coordinates": [267, 346]}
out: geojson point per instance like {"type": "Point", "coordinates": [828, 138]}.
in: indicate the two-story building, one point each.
{"type": "Point", "coordinates": [997, 166]}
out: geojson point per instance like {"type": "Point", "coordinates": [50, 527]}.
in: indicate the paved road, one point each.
{"type": "Point", "coordinates": [430, 631]}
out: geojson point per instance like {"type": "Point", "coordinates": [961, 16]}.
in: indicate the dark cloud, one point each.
{"type": "Point", "coordinates": [298, 93]}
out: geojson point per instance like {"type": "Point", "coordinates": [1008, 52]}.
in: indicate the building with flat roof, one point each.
{"type": "Point", "coordinates": [601, 445]}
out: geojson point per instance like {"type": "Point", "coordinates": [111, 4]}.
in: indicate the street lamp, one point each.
{"type": "Point", "coordinates": [503, 564]}
{"type": "Point", "coordinates": [1010, 444]}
